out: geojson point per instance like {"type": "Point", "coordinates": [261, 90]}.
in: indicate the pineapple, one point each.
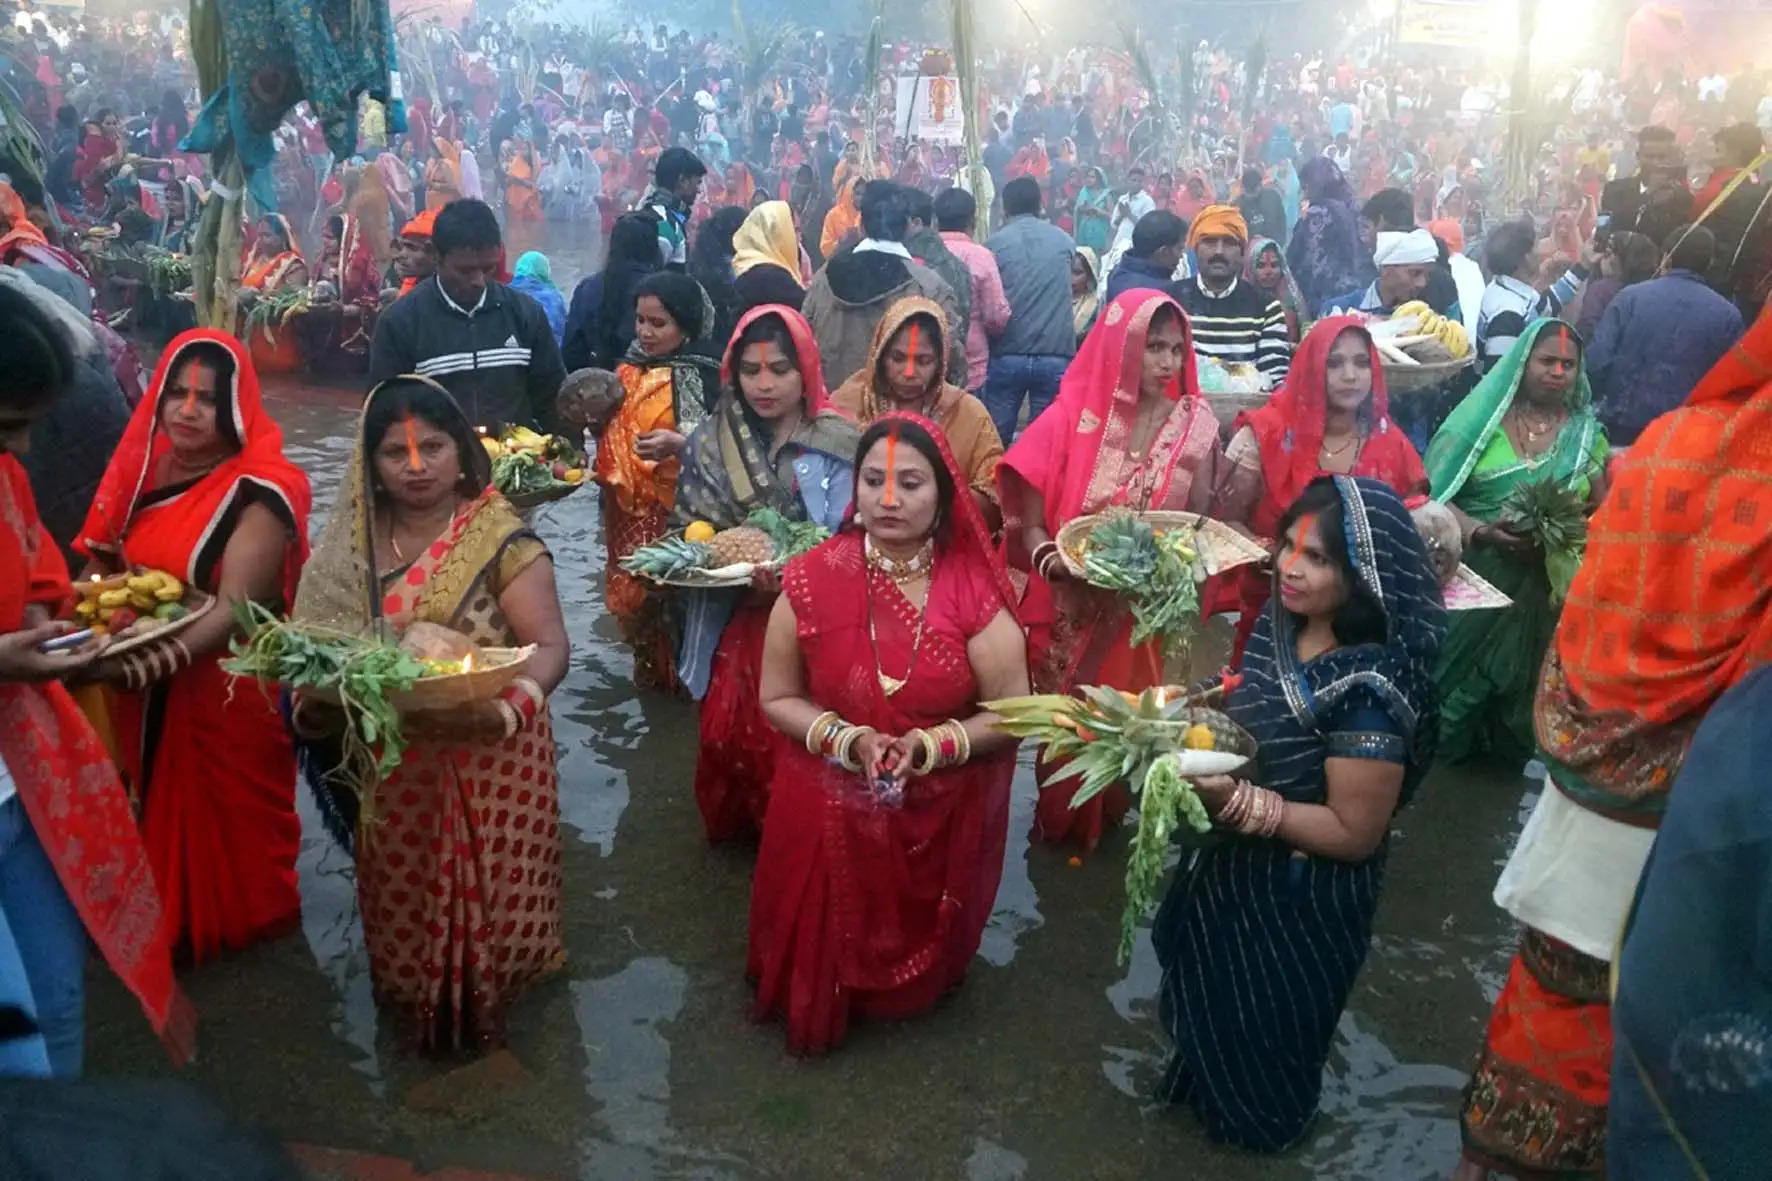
{"type": "Point", "coordinates": [741, 544]}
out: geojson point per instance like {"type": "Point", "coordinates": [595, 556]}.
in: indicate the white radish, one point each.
{"type": "Point", "coordinates": [1192, 764]}
{"type": "Point", "coordinates": [1392, 354]}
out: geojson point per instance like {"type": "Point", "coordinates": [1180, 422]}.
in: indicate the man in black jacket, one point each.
{"type": "Point", "coordinates": [489, 346]}
{"type": "Point", "coordinates": [1623, 201]}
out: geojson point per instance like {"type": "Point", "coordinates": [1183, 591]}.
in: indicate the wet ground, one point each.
{"type": "Point", "coordinates": [639, 1061]}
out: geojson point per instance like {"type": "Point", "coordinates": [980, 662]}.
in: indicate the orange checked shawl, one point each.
{"type": "Point", "coordinates": [1673, 602]}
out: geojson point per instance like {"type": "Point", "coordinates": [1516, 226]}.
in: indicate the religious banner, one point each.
{"type": "Point", "coordinates": [1455, 24]}
{"type": "Point", "coordinates": [929, 108]}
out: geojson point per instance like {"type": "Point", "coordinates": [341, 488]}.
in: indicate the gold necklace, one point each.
{"type": "Point", "coordinates": [891, 685]}
{"type": "Point", "coordinates": [1324, 452]}
{"type": "Point", "coordinates": [901, 571]}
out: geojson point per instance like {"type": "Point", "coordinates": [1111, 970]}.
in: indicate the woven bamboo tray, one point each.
{"type": "Point", "coordinates": [494, 669]}
{"type": "Point", "coordinates": [196, 603]}
{"type": "Point", "coordinates": [1221, 548]}
{"type": "Point", "coordinates": [1469, 591]}
{"type": "Point", "coordinates": [529, 500]}
{"type": "Point", "coordinates": [1414, 379]}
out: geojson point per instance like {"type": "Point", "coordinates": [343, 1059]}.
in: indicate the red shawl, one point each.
{"type": "Point", "coordinates": [860, 907]}
{"type": "Point", "coordinates": [1289, 428]}
{"type": "Point", "coordinates": [71, 791]}
{"type": "Point", "coordinates": [172, 536]}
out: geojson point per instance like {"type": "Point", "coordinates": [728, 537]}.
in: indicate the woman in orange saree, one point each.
{"type": "Point", "coordinates": [273, 262]}
{"type": "Point", "coordinates": [373, 210]}
{"type": "Point", "coordinates": [1128, 429]}
{"type": "Point", "coordinates": [458, 852]}
{"type": "Point", "coordinates": [522, 197]}
{"type": "Point", "coordinates": [199, 488]}
{"type": "Point", "coordinates": [671, 381]}
{"type": "Point", "coordinates": [442, 175]}
{"type": "Point", "coordinates": [889, 808]}
{"type": "Point", "coordinates": [841, 222]}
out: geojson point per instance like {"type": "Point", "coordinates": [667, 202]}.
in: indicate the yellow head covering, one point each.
{"type": "Point", "coordinates": [767, 237]}
{"type": "Point", "coordinates": [1218, 221]}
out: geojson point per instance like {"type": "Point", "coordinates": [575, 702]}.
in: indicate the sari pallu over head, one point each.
{"type": "Point", "coordinates": [71, 790]}
{"type": "Point", "coordinates": [860, 906]}
{"type": "Point", "coordinates": [767, 238]}
{"type": "Point", "coordinates": [1289, 428]}
{"type": "Point", "coordinates": [359, 279]}
{"type": "Point", "coordinates": [1458, 446]}
{"type": "Point", "coordinates": [1673, 601]}
{"type": "Point", "coordinates": [1391, 565]}
{"type": "Point", "coordinates": [1074, 455]}
{"type": "Point", "coordinates": [175, 533]}
{"type": "Point", "coordinates": [728, 470]}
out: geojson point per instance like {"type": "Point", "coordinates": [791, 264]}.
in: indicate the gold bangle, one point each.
{"type": "Point", "coordinates": [846, 746]}
{"type": "Point", "coordinates": [816, 737]}
{"type": "Point", "coordinates": [931, 752]}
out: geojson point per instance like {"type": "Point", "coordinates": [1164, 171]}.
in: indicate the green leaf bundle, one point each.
{"type": "Point", "coordinates": [1159, 574]}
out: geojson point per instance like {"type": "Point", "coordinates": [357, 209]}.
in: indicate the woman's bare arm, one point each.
{"type": "Point", "coordinates": [251, 571]}
{"type": "Point", "coordinates": [999, 659]}
{"type": "Point", "coordinates": [532, 605]}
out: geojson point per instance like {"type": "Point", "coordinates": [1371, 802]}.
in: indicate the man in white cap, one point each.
{"type": "Point", "coordinates": [1404, 262]}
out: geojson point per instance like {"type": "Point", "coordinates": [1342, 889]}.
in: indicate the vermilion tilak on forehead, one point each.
{"type": "Point", "coordinates": [1302, 530]}
{"type": "Point", "coordinates": [891, 498]}
{"type": "Point", "coordinates": [412, 460]}
{"type": "Point", "coordinates": [910, 356]}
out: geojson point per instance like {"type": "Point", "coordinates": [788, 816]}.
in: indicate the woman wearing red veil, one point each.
{"type": "Point", "coordinates": [199, 488]}
{"type": "Point", "coordinates": [1128, 429]}
{"type": "Point", "coordinates": [889, 809]}
{"type": "Point", "coordinates": [773, 441]}
{"type": "Point", "coordinates": [1331, 417]}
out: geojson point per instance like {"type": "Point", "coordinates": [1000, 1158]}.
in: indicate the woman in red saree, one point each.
{"type": "Point", "coordinates": [773, 441]}
{"type": "Point", "coordinates": [73, 861]}
{"type": "Point", "coordinates": [1129, 429]}
{"type": "Point", "coordinates": [1331, 417]}
{"type": "Point", "coordinates": [199, 488]}
{"type": "Point", "coordinates": [889, 809]}
{"type": "Point", "coordinates": [335, 331]}
{"type": "Point", "coordinates": [458, 854]}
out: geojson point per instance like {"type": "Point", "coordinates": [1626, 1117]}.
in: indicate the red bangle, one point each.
{"type": "Point", "coordinates": [525, 697]}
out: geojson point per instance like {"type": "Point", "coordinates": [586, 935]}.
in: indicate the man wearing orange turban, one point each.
{"type": "Point", "coordinates": [1234, 323]}
{"type": "Point", "coordinates": [415, 259]}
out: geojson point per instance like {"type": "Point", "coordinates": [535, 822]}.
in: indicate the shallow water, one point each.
{"type": "Point", "coordinates": [640, 1063]}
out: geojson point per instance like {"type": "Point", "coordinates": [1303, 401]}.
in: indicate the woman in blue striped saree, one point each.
{"type": "Point", "coordinates": [1264, 929]}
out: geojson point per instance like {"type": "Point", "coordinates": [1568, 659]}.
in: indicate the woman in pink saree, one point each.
{"type": "Point", "coordinates": [1128, 429]}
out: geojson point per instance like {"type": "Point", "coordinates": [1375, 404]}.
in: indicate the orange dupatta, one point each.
{"type": "Point", "coordinates": [1673, 601]}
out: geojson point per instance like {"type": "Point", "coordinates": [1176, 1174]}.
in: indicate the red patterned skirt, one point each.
{"type": "Point", "coordinates": [737, 742]}
{"type": "Point", "coordinates": [458, 882]}
{"type": "Point", "coordinates": [1536, 1103]}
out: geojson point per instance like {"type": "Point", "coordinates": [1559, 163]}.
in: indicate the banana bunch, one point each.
{"type": "Point", "coordinates": [668, 557]}
{"type": "Point", "coordinates": [1417, 334]}
{"type": "Point", "coordinates": [117, 604]}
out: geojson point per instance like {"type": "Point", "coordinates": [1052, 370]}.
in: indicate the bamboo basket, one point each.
{"type": "Point", "coordinates": [494, 669]}
{"type": "Point", "coordinates": [1221, 548]}
{"type": "Point", "coordinates": [1414, 379]}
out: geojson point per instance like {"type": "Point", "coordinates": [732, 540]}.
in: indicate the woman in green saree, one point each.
{"type": "Point", "coordinates": [1531, 418]}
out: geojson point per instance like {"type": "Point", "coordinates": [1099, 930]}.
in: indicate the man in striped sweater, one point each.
{"type": "Point", "coordinates": [1232, 321]}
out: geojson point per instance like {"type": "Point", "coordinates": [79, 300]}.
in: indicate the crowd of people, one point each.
{"type": "Point", "coordinates": [801, 310]}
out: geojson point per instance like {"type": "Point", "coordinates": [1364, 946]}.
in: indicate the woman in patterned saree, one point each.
{"type": "Point", "coordinates": [336, 327]}
{"type": "Point", "coordinates": [773, 441]}
{"type": "Point", "coordinates": [903, 372]}
{"type": "Point", "coordinates": [1263, 932]}
{"type": "Point", "coordinates": [1530, 418]}
{"type": "Point", "coordinates": [889, 810]}
{"type": "Point", "coordinates": [458, 856]}
{"type": "Point", "coordinates": [671, 381]}
{"type": "Point", "coordinates": [1331, 417]}
{"type": "Point", "coordinates": [1672, 606]}
{"type": "Point", "coordinates": [199, 488]}
{"type": "Point", "coordinates": [1129, 428]}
